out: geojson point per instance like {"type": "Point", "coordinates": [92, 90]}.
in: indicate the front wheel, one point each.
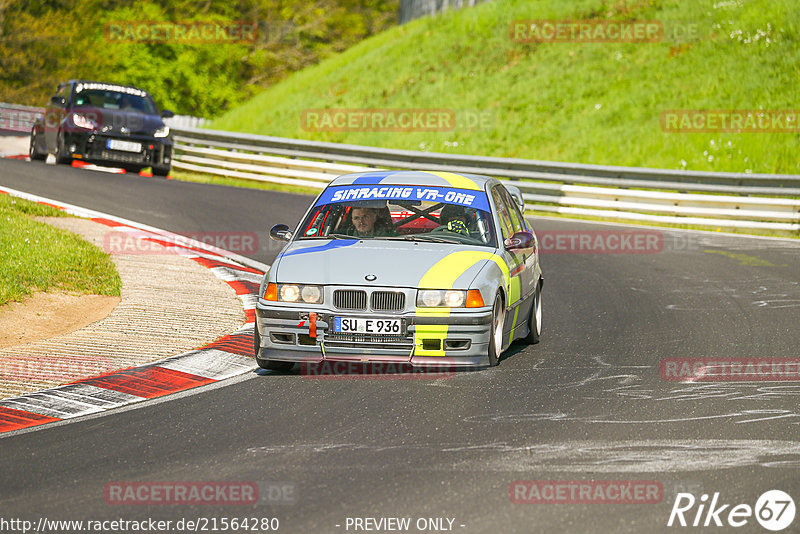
{"type": "Point", "coordinates": [160, 171]}
{"type": "Point", "coordinates": [496, 334]}
{"type": "Point", "coordinates": [61, 150]}
{"type": "Point", "coordinates": [535, 319]}
{"type": "Point", "coordinates": [270, 365]}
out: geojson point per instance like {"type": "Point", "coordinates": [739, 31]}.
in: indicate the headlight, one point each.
{"type": "Point", "coordinates": [82, 122]}
{"type": "Point", "coordinates": [311, 294]}
{"type": "Point", "coordinates": [297, 293]}
{"type": "Point", "coordinates": [289, 293]}
{"type": "Point", "coordinates": [161, 132]}
{"type": "Point", "coordinates": [434, 298]}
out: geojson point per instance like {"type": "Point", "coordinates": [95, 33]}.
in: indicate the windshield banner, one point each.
{"type": "Point", "coordinates": [409, 193]}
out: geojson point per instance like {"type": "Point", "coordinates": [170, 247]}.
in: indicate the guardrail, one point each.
{"type": "Point", "coordinates": [627, 193]}
{"type": "Point", "coordinates": [18, 120]}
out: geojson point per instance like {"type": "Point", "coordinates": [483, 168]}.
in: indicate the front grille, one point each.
{"type": "Point", "coordinates": [387, 301]}
{"type": "Point", "coordinates": [350, 299]}
{"type": "Point", "coordinates": [380, 341]}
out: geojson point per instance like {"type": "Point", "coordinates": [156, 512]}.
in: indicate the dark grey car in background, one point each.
{"type": "Point", "coordinates": [104, 123]}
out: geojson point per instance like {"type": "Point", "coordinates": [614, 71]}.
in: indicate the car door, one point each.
{"type": "Point", "coordinates": [529, 256]}
{"type": "Point", "coordinates": [515, 259]}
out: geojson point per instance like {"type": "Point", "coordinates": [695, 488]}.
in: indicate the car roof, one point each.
{"type": "Point", "coordinates": [476, 182]}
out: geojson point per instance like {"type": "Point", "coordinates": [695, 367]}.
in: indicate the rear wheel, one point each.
{"type": "Point", "coordinates": [33, 150]}
{"type": "Point", "coordinates": [496, 334]}
{"type": "Point", "coordinates": [535, 319]}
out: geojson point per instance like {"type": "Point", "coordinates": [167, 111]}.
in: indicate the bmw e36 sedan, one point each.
{"type": "Point", "coordinates": [408, 267]}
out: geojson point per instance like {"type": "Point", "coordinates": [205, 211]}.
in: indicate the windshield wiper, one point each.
{"type": "Point", "coordinates": [339, 236]}
{"type": "Point", "coordinates": [432, 238]}
{"type": "Point", "coordinates": [330, 236]}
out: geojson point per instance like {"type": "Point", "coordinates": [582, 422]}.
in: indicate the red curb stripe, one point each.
{"type": "Point", "coordinates": [147, 382]}
{"type": "Point", "coordinates": [12, 419]}
{"type": "Point", "coordinates": [51, 205]}
{"type": "Point", "coordinates": [107, 222]}
{"type": "Point", "coordinates": [241, 344]}
{"type": "Point", "coordinates": [244, 287]}
{"type": "Point", "coordinates": [150, 381]}
{"type": "Point", "coordinates": [206, 262]}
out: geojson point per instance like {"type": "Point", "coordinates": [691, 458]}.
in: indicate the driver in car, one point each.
{"type": "Point", "coordinates": [368, 221]}
{"type": "Point", "coordinates": [454, 219]}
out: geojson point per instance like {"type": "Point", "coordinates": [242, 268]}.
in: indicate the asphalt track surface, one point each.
{"type": "Point", "coordinates": [587, 403]}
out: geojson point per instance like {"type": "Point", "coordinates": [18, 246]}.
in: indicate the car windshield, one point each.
{"type": "Point", "coordinates": [414, 213]}
{"type": "Point", "coordinates": [106, 98]}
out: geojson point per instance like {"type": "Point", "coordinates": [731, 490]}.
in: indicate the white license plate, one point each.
{"type": "Point", "coordinates": [360, 325]}
{"type": "Point", "coordinates": [125, 146]}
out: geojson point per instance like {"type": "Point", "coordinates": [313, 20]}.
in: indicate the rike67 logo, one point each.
{"type": "Point", "coordinates": [774, 510]}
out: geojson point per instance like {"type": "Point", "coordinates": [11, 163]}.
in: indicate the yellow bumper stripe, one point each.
{"type": "Point", "coordinates": [442, 276]}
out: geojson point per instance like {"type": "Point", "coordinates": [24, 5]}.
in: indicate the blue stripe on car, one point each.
{"type": "Point", "coordinates": [335, 243]}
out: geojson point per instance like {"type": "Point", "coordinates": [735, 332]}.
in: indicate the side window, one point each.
{"type": "Point", "coordinates": [63, 92]}
{"type": "Point", "coordinates": [506, 226]}
{"type": "Point", "coordinates": [517, 219]}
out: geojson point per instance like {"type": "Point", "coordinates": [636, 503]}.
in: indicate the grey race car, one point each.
{"type": "Point", "coordinates": [409, 267]}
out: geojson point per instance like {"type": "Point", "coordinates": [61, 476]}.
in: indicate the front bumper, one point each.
{"type": "Point", "coordinates": [93, 146]}
{"type": "Point", "coordinates": [458, 340]}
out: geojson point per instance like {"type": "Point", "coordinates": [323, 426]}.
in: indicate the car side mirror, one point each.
{"type": "Point", "coordinates": [57, 100]}
{"type": "Point", "coordinates": [519, 241]}
{"type": "Point", "coordinates": [167, 114]}
{"type": "Point", "coordinates": [280, 232]}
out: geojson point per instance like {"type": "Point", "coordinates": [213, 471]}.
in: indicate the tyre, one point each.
{"type": "Point", "coordinates": [270, 365]}
{"type": "Point", "coordinates": [496, 333]}
{"type": "Point", "coordinates": [61, 150]}
{"type": "Point", "coordinates": [535, 318]}
{"type": "Point", "coordinates": [33, 150]}
{"type": "Point", "coordinates": [160, 171]}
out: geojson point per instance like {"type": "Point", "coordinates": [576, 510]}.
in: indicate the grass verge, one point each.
{"type": "Point", "coordinates": [582, 102]}
{"type": "Point", "coordinates": [37, 257]}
